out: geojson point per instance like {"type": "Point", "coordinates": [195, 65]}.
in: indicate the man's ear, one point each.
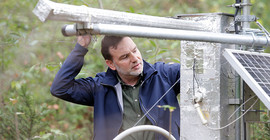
{"type": "Point", "coordinates": [110, 64]}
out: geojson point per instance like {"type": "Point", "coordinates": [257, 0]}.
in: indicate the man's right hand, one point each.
{"type": "Point", "coordinates": [84, 40]}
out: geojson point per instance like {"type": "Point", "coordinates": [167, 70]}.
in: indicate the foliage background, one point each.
{"type": "Point", "coordinates": [31, 53]}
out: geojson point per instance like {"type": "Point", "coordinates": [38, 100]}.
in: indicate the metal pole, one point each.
{"type": "Point", "coordinates": [172, 34]}
{"type": "Point", "coordinates": [246, 25]}
{"type": "Point", "coordinates": [237, 78]}
{"type": "Point", "coordinates": [246, 13]}
{"type": "Point", "coordinates": [47, 10]}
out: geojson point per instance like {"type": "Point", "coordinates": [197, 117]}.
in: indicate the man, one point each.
{"type": "Point", "coordinates": [122, 95]}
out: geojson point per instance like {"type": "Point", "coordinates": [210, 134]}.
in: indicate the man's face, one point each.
{"type": "Point", "coordinates": [126, 59]}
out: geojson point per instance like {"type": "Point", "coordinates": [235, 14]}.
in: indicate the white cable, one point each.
{"type": "Point", "coordinates": [235, 119]}
{"type": "Point", "coordinates": [265, 31]}
{"type": "Point", "coordinates": [156, 102]}
{"type": "Point", "coordinates": [241, 106]}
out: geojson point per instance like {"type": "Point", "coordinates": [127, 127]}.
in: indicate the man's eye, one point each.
{"type": "Point", "coordinates": [124, 56]}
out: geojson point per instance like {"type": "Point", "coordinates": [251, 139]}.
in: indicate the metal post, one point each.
{"type": "Point", "coordinates": [246, 92]}
{"type": "Point", "coordinates": [212, 82]}
{"type": "Point", "coordinates": [246, 13]}
{"type": "Point", "coordinates": [237, 91]}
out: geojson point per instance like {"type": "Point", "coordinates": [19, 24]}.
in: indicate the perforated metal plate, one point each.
{"type": "Point", "coordinates": [254, 69]}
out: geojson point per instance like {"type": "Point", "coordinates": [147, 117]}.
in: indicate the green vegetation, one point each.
{"type": "Point", "coordinates": [31, 53]}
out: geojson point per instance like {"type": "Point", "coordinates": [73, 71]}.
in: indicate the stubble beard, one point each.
{"type": "Point", "coordinates": [130, 73]}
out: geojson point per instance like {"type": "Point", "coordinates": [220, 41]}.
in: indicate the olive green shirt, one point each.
{"type": "Point", "coordinates": [132, 111]}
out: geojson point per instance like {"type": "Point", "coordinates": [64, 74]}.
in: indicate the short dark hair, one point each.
{"type": "Point", "coordinates": [108, 42]}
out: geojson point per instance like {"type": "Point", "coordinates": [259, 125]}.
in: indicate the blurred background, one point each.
{"type": "Point", "coordinates": [31, 53]}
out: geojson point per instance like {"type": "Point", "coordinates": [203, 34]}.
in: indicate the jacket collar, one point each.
{"type": "Point", "coordinates": [111, 75]}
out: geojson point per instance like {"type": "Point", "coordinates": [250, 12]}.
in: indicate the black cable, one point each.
{"type": "Point", "coordinates": [193, 70]}
{"type": "Point", "coordinates": [236, 23]}
{"type": "Point", "coordinates": [195, 80]}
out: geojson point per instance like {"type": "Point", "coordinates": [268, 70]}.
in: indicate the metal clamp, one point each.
{"type": "Point", "coordinates": [255, 33]}
{"type": "Point", "coordinates": [267, 34]}
{"type": "Point", "coordinates": [77, 29]}
{"type": "Point", "coordinates": [250, 18]}
{"type": "Point", "coordinates": [239, 5]}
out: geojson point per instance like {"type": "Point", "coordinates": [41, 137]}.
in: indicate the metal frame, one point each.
{"type": "Point", "coordinates": [246, 76]}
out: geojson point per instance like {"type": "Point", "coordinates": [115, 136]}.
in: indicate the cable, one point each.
{"type": "Point", "coordinates": [265, 31]}
{"type": "Point", "coordinates": [156, 102]}
{"type": "Point", "coordinates": [241, 106]}
{"type": "Point", "coordinates": [235, 14]}
{"type": "Point", "coordinates": [235, 119]}
{"type": "Point", "coordinates": [194, 78]}
{"type": "Point", "coordinates": [194, 74]}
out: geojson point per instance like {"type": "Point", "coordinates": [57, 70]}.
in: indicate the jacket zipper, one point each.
{"type": "Point", "coordinates": [141, 100]}
{"type": "Point", "coordinates": [155, 122]}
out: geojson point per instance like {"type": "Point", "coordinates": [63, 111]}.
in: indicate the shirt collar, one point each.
{"type": "Point", "coordinates": [124, 84]}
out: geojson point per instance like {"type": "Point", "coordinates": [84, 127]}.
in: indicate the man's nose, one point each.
{"type": "Point", "coordinates": [134, 58]}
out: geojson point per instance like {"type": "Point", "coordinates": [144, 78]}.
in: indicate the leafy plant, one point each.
{"type": "Point", "coordinates": [261, 130]}
{"type": "Point", "coordinates": [21, 118]}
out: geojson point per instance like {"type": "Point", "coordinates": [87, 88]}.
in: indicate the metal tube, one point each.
{"type": "Point", "coordinates": [69, 30]}
{"type": "Point", "coordinates": [246, 25]}
{"type": "Point", "coordinates": [144, 128]}
{"type": "Point", "coordinates": [172, 34]}
{"type": "Point", "coordinates": [246, 13]}
{"type": "Point", "coordinates": [237, 79]}
{"type": "Point", "coordinates": [48, 10]}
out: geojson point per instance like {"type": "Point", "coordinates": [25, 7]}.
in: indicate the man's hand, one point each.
{"type": "Point", "coordinates": [84, 40]}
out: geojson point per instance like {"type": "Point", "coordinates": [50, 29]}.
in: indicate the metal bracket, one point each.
{"type": "Point", "coordinates": [249, 18]}
{"type": "Point", "coordinates": [234, 101]}
{"type": "Point", "coordinates": [230, 29]}
{"type": "Point", "coordinates": [83, 25]}
{"type": "Point", "coordinates": [83, 28]}
{"type": "Point", "coordinates": [255, 33]}
{"type": "Point", "coordinates": [240, 5]}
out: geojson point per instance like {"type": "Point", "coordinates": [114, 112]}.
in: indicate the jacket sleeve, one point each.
{"type": "Point", "coordinates": [174, 75]}
{"type": "Point", "coordinates": [66, 87]}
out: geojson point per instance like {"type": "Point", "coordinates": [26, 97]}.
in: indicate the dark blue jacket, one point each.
{"type": "Point", "coordinates": [105, 94]}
